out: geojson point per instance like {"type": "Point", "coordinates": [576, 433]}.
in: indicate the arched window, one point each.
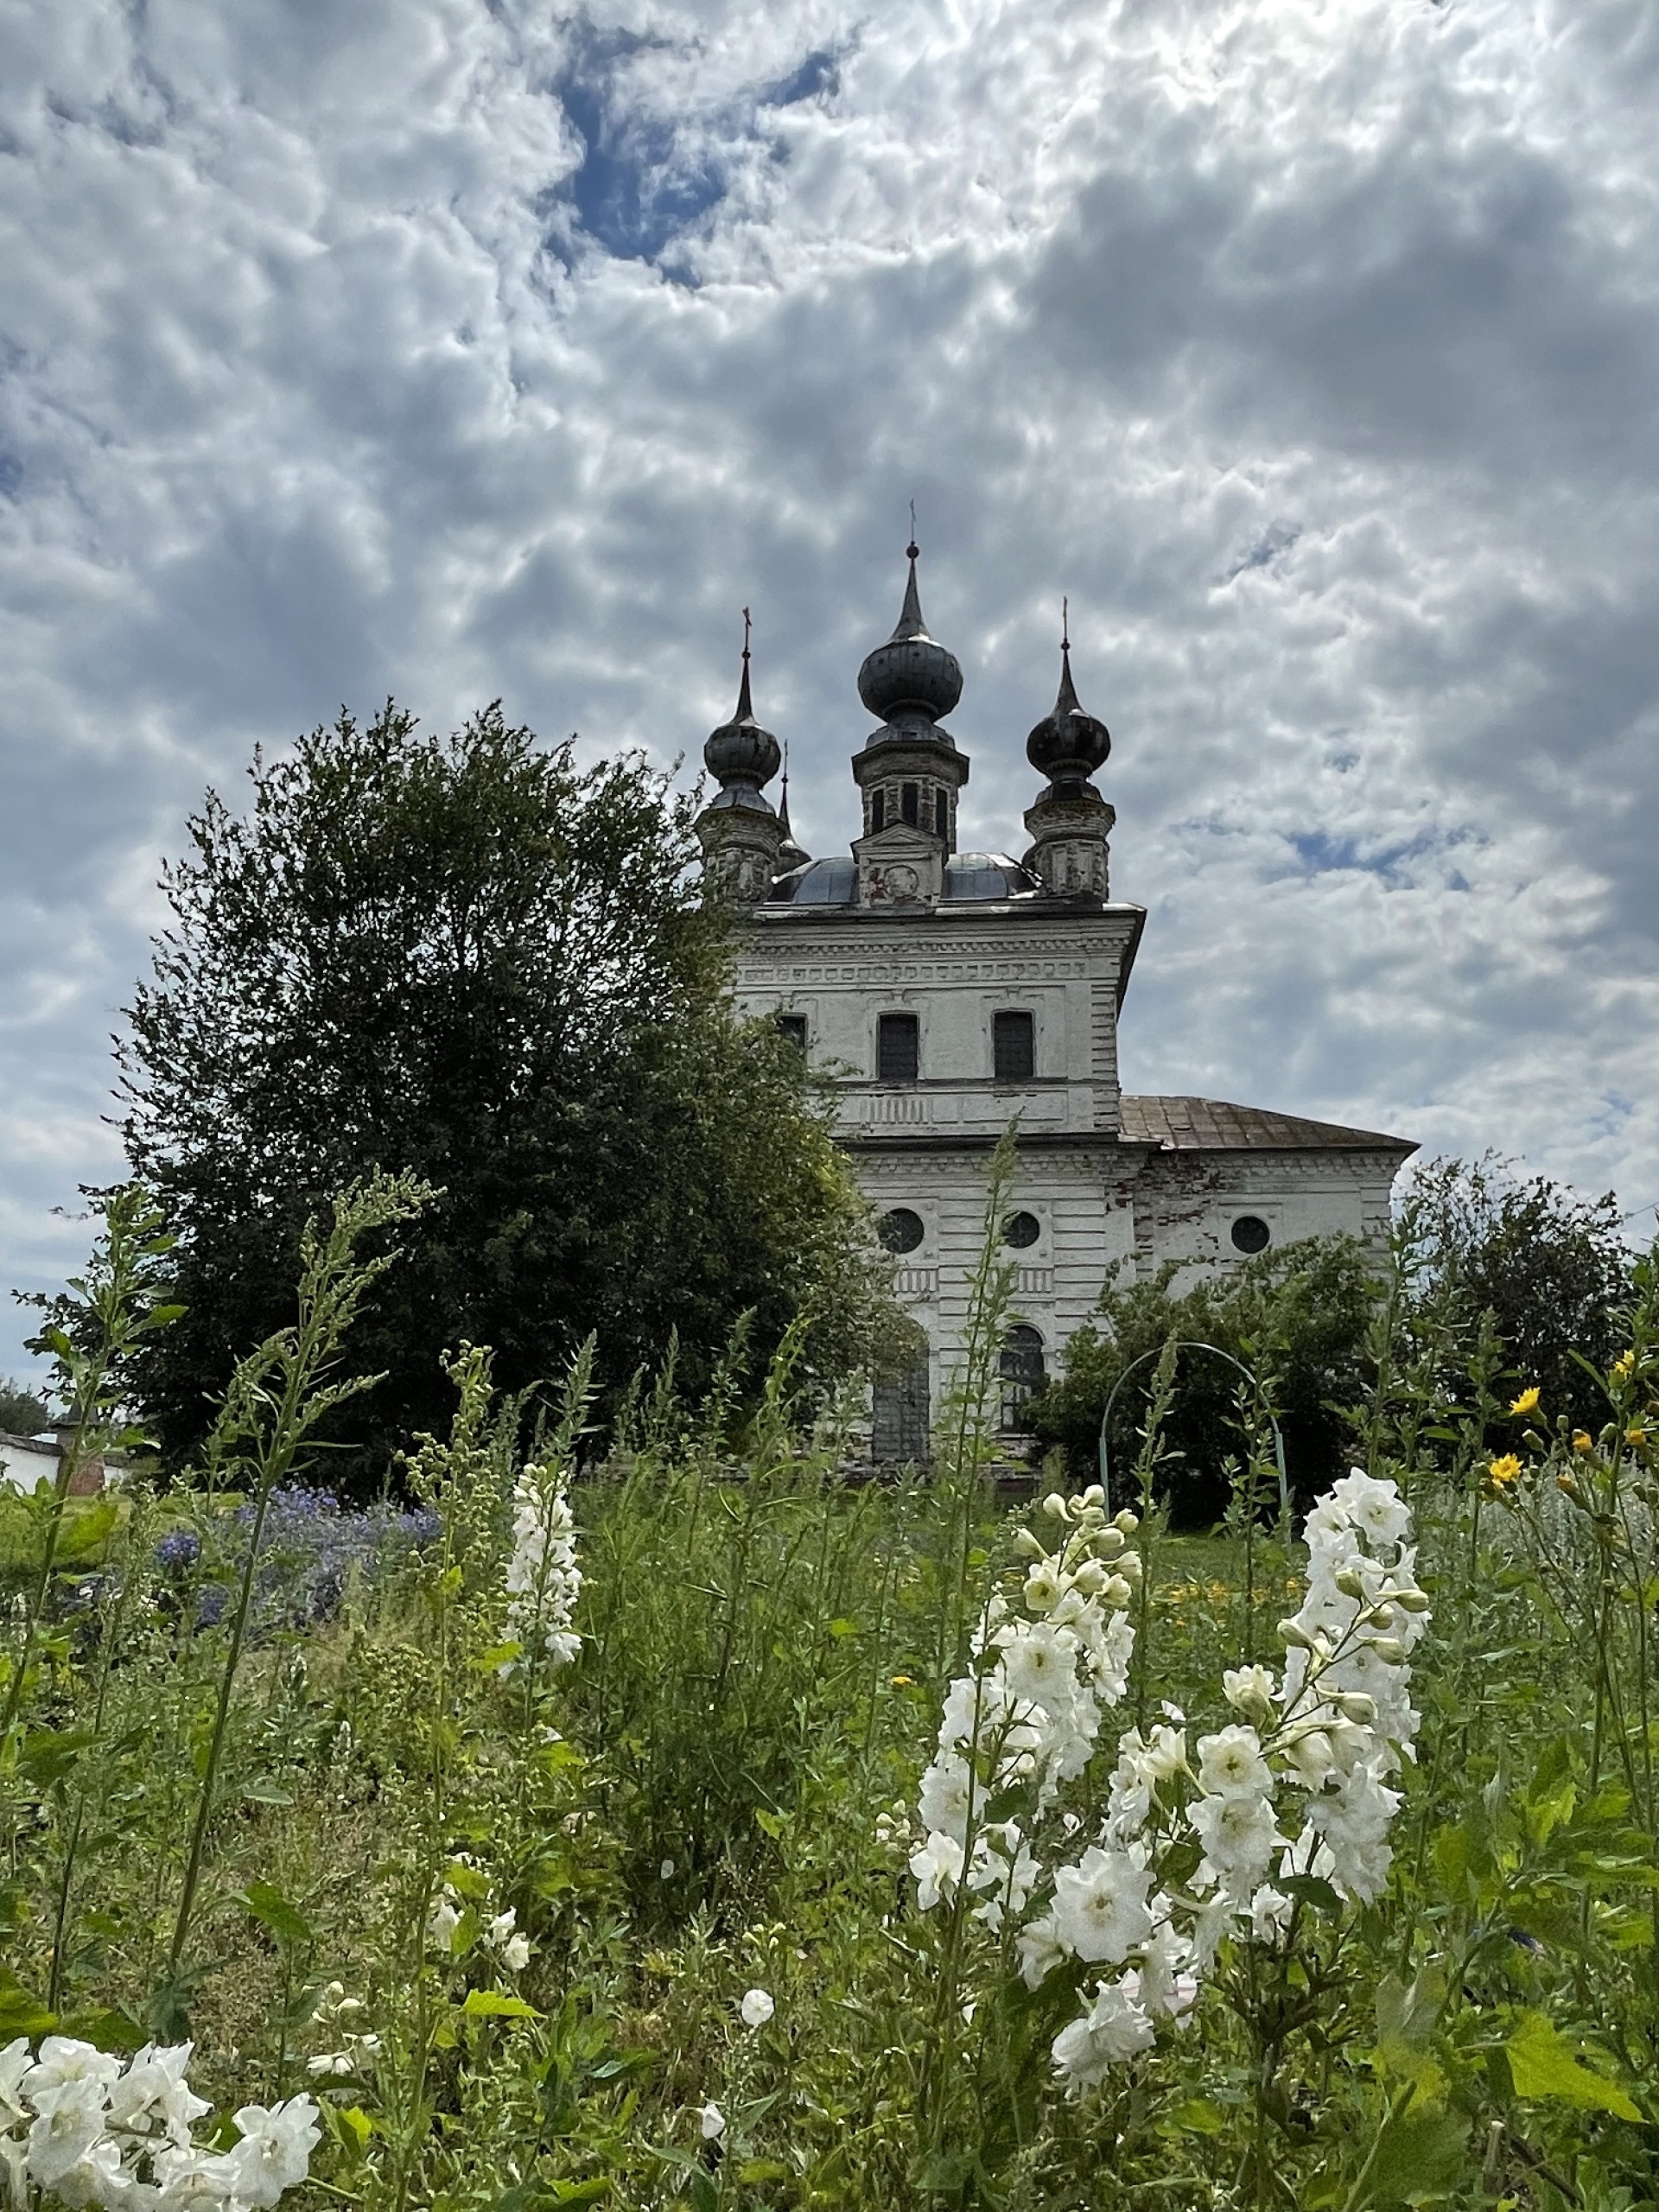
{"type": "Point", "coordinates": [899, 1424]}
{"type": "Point", "coordinates": [1021, 1367]}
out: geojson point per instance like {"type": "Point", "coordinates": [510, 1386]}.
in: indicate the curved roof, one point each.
{"type": "Point", "coordinates": [967, 876]}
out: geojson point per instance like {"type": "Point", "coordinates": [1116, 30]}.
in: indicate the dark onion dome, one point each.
{"type": "Point", "coordinates": [820, 883]}
{"type": "Point", "coordinates": [911, 671]}
{"type": "Point", "coordinates": [988, 875]}
{"type": "Point", "coordinates": [1069, 745]}
{"type": "Point", "coordinates": [742, 754]}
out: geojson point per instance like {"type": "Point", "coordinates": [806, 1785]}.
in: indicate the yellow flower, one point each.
{"type": "Point", "coordinates": [1623, 1365]}
{"type": "Point", "coordinates": [902, 1681]}
{"type": "Point", "coordinates": [1505, 1471]}
{"type": "Point", "coordinates": [1582, 1441]}
{"type": "Point", "coordinates": [1528, 1400]}
{"type": "Point", "coordinates": [1636, 1435]}
{"type": "Point", "coordinates": [1568, 1481]}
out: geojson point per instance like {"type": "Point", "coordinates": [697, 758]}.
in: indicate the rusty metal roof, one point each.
{"type": "Point", "coordinates": [1212, 1125]}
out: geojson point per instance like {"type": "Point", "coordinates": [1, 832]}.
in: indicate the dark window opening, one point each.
{"type": "Point", "coordinates": [1021, 1230]}
{"type": "Point", "coordinates": [898, 1048]}
{"type": "Point", "coordinates": [942, 816]}
{"type": "Point", "coordinates": [878, 812]}
{"type": "Point", "coordinates": [791, 1028]}
{"type": "Point", "coordinates": [1021, 1367]}
{"type": "Point", "coordinates": [907, 804]}
{"type": "Point", "coordinates": [901, 1230]}
{"type": "Point", "coordinates": [899, 1425]}
{"type": "Point", "coordinates": [1251, 1234]}
{"type": "Point", "coordinates": [1013, 1048]}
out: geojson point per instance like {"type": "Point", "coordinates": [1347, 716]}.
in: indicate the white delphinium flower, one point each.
{"type": "Point", "coordinates": [1003, 1866]}
{"type": "Point", "coordinates": [937, 1866]}
{"type": "Point", "coordinates": [1039, 1950]}
{"type": "Point", "coordinates": [757, 2008]}
{"type": "Point", "coordinates": [1230, 1764]}
{"type": "Point", "coordinates": [543, 1580]}
{"type": "Point", "coordinates": [1115, 2027]}
{"type": "Point", "coordinates": [1239, 1835]}
{"type": "Point", "coordinates": [711, 2122]}
{"type": "Point", "coordinates": [1270, 1912]}
{"type": "Point", "coordinates": [275, 2152]}
{"type": "Point", "coordinates": [1100, 1905]}
{"type": "Point", "coordinates": [1168, 1986]}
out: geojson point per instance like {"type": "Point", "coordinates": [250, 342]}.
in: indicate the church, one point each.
{"type": "Point", "coordinates": [951, 993]}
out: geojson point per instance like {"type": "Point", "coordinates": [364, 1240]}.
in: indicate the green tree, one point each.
{"type": "Point", "coordinates": [469, 958]}
{"type": "Point", "coordinates": [1552, 1266]}
{"type": "Point", "coordinates": [23, 1412]}
{"type": "Point", "coordinates": [1296, 1317]}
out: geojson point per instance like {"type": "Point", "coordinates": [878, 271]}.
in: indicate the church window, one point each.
{"type": "Point", "coordinates": [901, 1230]}
{"type": "Point", "coordinates": [791, 1028]}
{"type": "Point", "coordinates": [941, 815]}
{"type": "Point", "coordinates": [908, 803]}
{"type": "Point", "coordinates": [898, 1048]}
{"type": "Point", "coordinates": [1022, 1366]}
{"type": "Point", "coordinates": [899, 1424]}
{"type": "Point", "coordinates": [878, 812]}
{"type": "Point", "coordinates": [1251, 1234]}
{"type": "Point", "coordinates": [1021, 1230]}
{"type": "Point", "coordinates": [1013, 1048]}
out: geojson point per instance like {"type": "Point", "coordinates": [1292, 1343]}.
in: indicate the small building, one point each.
{"type": "Point", "coordinates": [951, 993]}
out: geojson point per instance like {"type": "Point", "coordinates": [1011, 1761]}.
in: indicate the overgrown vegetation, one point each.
{"type": "Point", "coordinates": [872, 1847]}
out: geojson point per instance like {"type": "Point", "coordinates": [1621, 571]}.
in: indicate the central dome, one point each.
{"type": "Point", "coordinates": [912, 672]}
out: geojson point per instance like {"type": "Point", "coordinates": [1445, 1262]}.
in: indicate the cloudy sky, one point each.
{"type": "Point", "coordinates": [458, 348]}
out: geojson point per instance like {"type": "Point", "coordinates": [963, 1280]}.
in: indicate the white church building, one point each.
{"type": "Point", "coordinates": [950, 993]}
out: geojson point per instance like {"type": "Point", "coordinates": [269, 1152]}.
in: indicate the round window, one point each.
{"type": "Point", "coordinates": [1251, 1233]}
{"type": "Point", "coordinates": [1021, 1229]}
{"type": "Point", "coordinates": [901, 1230]}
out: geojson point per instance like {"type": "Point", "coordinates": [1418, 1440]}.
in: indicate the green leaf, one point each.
{"type": "Point", "coordinates": [1422, 2155]}
{"type": "Point", "coordinates": [769, 1823]}
{"type": "Point", "coordinates": [267, 1903]}
{"type": "Point", "coordinates": [705, 2197]}
{"type": "Point", "coordinates": [265, 1793]}
{"type": "Point", "coordinates": [106, 2028]}
{"type": "Point", "coordinates": [22, 2013]}
{"type": "Point", "coordinates": [1313, 1891]}
{"type": "Point", "coordinates": [755, 2170]}
{"type": "Point", "coordinates": [47, 1754]}
{"type": "Point", "coordinates": [496, 2004]}
{"type": "Point", "coordinates": [1542, 2063]}
{"type": "Point", "coordinates": [579, 2192]}
{"type": "Point", "coordinates": [843, 1628]}
{"type": "Point", "coordinates": [1197, 2116]}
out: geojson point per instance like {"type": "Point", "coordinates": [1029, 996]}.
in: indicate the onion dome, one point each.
{"type": "Point", "coordinates": [739, 754]}
{"type": "Point", "coordinates": [911, 672]}
{"type": "Point", "coordinates": [1069, 745]}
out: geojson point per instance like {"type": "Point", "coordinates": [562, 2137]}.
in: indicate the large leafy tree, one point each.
{"type": "Point", "coordinates": [471, 957]}
{"type": "Point", "coordinates": [1551, 1266]}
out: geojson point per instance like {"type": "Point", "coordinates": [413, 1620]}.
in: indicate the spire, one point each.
{"type": "Point", "coordinates": [791, 855]}
{"type": "Point", "coordinates": [911, 673]}
{"type": "Point", "coordinates": [745, 704]}
{"type": "Point", "coordinates": [1069, 744]}
{"type": "Point", "coordinates": [742, 754]}
{"type": "Point", "coordinates": [1067, 702]}
{"type": "Point", "coordinates": [910, 623]}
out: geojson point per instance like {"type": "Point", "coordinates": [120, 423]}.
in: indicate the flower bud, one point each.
{"type": "Point", "coordinates": [1094, 1495]}
{"type": "Point", "coordinates": [1030, 1546]}
{"type": "Point", "coordinates": [1355, 1705]}
{"type": "Point", "coordinates": [1411, 1601]}
{"type": "Point", "coordinates": [1390, 1649]}
{"type": "Point", "coordinates": [1055, 1506]}
{"type": "Point", "coordinates": [1351, 1582]}
{"type": "Point", "coordinates": [1294, 1633]}
{"type": "Point", "coordinates": [1126, 1521]}
{"type": "Point", "coordinates": [1110, 1542]}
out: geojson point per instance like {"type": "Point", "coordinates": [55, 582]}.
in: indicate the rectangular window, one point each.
{"type": "Point", "coordinates": [791, 1028]}
{"type": "Point", "coordinates": [878, 812]}
{"type": "Point", "coordinates": [1013, 1048]}
{"type": "Point", "coordinates": [942, 817]}
{"type": "Point", "coordinates": [898, 1048]}
{"type": "Point", "coordinates": [908, 803]}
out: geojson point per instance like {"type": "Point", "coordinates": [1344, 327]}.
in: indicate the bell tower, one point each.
{"type": "Point", "coordinates": [909, 770]}
{"type": "Point", "coordinates": [1070, 824]}
{"type": "Point", "coordinates": [739, 829]}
